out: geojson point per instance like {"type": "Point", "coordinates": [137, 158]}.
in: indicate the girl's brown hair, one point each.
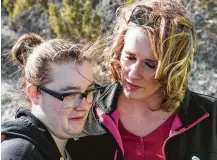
{"type": "Point", "coordinates": [36, 56]}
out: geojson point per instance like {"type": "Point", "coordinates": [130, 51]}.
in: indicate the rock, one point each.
{"type": "Point", "coordinates": [35, 21]}
{"type": "Point", "coordinates": [107, 10]}
{"type": "Point", "coordinates": [9, 68]}
{"type": "Point", "coordinates": [203, 76]}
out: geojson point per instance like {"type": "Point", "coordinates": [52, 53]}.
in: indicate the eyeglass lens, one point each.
{"type": "Point", "coordinates": [72, 101]}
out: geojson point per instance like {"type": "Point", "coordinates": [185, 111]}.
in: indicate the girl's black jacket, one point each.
{"type": "Point", "coordinates": [27, 138]}
{"type": "Point", "coordinates": [194, 139]}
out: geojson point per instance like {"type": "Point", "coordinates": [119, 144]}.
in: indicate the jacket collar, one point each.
{"type": "Point", "coordinates": [30, 128]}
{"type": "Point", "coordinates": [27, 114]}
{"type": "Point", "coordinates": [191, 109]}
{"type": "Point", "coordinates": [107, 98]}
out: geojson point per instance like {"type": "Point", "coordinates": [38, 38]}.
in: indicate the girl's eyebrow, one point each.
{"type": "Point", "coordinates": [66, 88]}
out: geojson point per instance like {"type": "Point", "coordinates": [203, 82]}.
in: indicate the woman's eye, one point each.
{"type": "Point", "coordinates": [130, 58]}
{"type": "Point", "coordinates": [151, 65]}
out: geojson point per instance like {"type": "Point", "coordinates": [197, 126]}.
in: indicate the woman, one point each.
{"type": "Point", "coordinates": [60, 96]}
{"type": "Point", "coordinates": [148, 112]}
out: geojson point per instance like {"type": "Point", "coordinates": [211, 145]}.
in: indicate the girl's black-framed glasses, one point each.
{"type": "Point", "coordinates": [70, 99]}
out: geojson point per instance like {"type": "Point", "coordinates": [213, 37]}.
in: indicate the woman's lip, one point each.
{"type": "Point", "coordinates": [131, 86]}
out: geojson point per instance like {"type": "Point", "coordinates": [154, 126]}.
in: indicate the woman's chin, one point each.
{"type": "Point", "coordinates": [131, 94]}
{"type": "Point", "coordinates": [135, 95]}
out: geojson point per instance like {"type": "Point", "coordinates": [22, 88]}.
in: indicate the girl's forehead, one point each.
{"type": "Point", "coordinates": [79, 75]}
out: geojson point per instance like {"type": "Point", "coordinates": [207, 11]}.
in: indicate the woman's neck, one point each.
{"type": "Point", "coordinates": [151, 103]}
{"type": "Point", "coordinates": [141, 117]}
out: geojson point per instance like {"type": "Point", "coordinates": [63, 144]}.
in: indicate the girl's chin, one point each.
{"type": "Point", "coordinates": [73, 131]}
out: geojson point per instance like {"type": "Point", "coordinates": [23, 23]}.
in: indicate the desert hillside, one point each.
{"type": "Point", "coordinates": [38, 18]}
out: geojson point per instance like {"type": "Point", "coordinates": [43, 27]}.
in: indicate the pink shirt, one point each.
{"type": "Point", "coordinates": [148, 147]}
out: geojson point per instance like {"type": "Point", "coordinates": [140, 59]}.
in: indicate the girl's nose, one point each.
{"type": "Point", "coordinates": [83, 105]}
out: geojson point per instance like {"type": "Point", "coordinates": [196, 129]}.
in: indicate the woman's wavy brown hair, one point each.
{"type": "Point", "coordinates": [172, 37]}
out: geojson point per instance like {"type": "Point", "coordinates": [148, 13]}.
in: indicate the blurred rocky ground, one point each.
{"type": "Point", "coordinates": [203, 77]}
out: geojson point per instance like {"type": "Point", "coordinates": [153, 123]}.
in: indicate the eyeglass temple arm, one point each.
{"type": "Point", "coordinates": [52, 93]}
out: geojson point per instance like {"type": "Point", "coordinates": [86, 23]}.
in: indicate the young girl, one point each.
{"type": "Point", "coordinates": [59, 86]}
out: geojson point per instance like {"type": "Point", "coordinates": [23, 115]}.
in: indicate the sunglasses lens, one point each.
{"type": "Point", "coordinates": [140, 15]}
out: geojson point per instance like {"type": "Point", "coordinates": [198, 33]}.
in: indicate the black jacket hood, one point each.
{"type": "Point", "coordinates": [27, 126]}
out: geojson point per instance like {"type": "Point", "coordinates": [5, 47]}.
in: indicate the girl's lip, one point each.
{"type": "Point", "coordinates": [77, 118]}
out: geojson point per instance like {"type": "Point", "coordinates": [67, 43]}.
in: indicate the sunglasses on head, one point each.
{"type": "Point", "coordinates": [140, 15]}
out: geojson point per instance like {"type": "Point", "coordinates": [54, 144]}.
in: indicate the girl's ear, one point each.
{"type": "Point", "coordinates": [32, 92]}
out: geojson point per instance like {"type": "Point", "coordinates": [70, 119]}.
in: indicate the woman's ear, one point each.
{"type": "Point", "coordinates": [32, 92]}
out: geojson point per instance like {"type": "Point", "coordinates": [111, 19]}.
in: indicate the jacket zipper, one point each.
{"type": "Point", "coordinates": [118, 146]}
{"type": "Point", "coordinates": [108, 131]}
{"type": "Point", "coordinates": [175, 133]}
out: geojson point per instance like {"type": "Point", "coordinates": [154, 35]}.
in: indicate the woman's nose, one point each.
{"type": "Point", "coordinates": [135, 71]}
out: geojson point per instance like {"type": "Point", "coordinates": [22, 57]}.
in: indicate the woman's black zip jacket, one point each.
{"type": "Point", "coordinates": [194, 136]}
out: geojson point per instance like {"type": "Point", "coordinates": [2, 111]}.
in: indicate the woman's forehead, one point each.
{"type": "Point", "coordinates": [135, 33]}
{"type": "Point", "coordinates": [136, 37]}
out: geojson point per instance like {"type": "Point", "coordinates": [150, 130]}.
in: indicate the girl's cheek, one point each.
{"type": "Point", "coordinates": [59, 109]}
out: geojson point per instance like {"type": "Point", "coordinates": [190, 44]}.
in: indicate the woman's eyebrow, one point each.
{"type": "Point", "coordinates": [133, 54]}
{"type": "Point", "coordinates": [149, 60]}
{"type": "Point", "coordinates": [129, 52]}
